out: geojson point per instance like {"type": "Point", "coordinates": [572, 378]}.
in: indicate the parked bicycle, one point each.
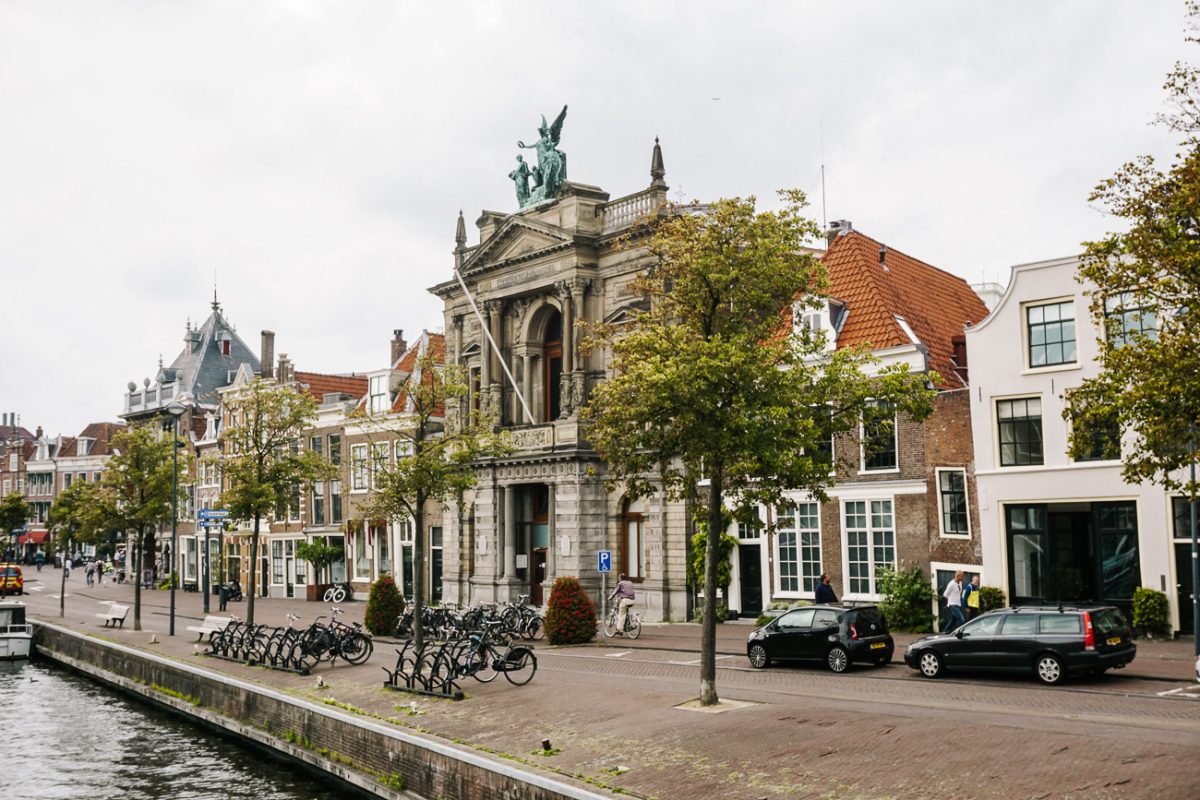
{"type": "Point", "coordinates": [485, 655]}
{"type": "Point", "coordinates": [633, 623]}
{"type": "Point", "coordinates": [339, 592]}
{"type": "Point", "coordinates": [522, 620]}
{"type": "Point", "coordinates": [334, 639]}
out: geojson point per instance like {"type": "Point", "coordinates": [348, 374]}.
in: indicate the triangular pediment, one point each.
{"type": "Point", "coordinates": [517, 239]}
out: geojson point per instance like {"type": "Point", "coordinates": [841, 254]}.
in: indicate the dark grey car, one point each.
{"type": "Point", "coordinates": [836, 635]}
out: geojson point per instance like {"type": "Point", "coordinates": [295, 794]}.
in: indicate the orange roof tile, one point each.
{"type": "Point", "coordinates": [318, 385]}
{"type": "Point", "coordinates": [432, 344]}
{"type": "Point", "coordinates": [936, 305]}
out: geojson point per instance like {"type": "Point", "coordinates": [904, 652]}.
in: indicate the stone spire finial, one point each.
{"type": "Point", "coordinates": [216, 305]}
{"type": "Point", "coordinates": [460, 233]}
{"type": "Point", "coordinates": [657, 170]}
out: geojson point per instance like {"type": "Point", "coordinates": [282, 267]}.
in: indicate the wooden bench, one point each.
{"type": "Point", "coordinates": [210, 626]}
{"type": "Point", "coordinates": [115, 615]}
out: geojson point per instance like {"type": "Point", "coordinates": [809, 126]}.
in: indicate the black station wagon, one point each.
{"type": "Point", "coordinates": [837, 635]}
{"type": "Point", "coordinates": [1051, 642]}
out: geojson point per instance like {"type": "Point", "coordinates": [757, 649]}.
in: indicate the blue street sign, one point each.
{"type": "Point", "coordinates": [213, 513]}
{"type": "Point", "coordinates": [604, 560]}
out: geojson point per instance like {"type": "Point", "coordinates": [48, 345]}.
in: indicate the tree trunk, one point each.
{"type": "Point", "coordinates": [708, 637]}
{"type": "Point", "coordinates": [418, 571]}
{"type": "Point", "coordinates": [137, 579]}
{"type": "Point", "coordinates": [253, 572]}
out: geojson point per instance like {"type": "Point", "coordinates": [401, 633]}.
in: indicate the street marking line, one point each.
{"type": "Point", "coordinates": [695, 662]}
{"type": "Point", "coordinates": [618, 655]}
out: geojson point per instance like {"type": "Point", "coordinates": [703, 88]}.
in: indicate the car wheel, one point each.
{"type": "Point", "coordinates": [1049, 669]}
{"type": "Point", "coordinates": [838, 659]}
{"type": "Point", "coordinates": [758, 657]}
{"type": "Point", "coordinates": [930, 664]}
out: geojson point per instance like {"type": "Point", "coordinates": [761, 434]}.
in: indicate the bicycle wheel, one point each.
{"type": "Point", "coordinates": [534, 629]}
{"type": "Point", "coordinates": [357, 648]}
{"type": "Point", "coordinates": [481, 661]}
{"type": "Point", "coordinates": [339, 594]}
{"type": "Point", "coordinates": [511, 619]}
{"type": "Point", "coordinates": [520, 664]}
{"type": "Point", "coordinates": [633, 625]}
{"type": "Point", "coordinates": [329, 594]}
{"type": "Point", "coordinates": [610, 624]}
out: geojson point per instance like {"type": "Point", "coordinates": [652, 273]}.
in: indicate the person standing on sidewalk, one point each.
{"type": "Point", "coordinates": [954, 597]}
{"type": "Point", "coordinates": [624, 593]}
{"type": "Point", "coordinates": [825, 593]}
{"type": "Point", "coordinates": [971, 598]}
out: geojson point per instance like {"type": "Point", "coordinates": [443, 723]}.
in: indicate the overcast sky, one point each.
{"type": "Point", "coordinates": [312, 157]}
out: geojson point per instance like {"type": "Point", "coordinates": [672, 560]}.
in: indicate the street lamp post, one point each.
{"type": "Point", "coordinates": [176, 410]}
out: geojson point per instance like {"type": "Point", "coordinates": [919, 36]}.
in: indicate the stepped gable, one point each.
{"type": "Point", "coordinates": [936, 305]}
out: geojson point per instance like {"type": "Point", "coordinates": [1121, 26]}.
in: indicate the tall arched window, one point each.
{"type": "Point", "coordinates": [552, 367]}
{"type": "Point", "coordinates": [633, 543]}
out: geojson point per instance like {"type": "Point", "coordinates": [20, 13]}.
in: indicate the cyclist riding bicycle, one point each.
{"type": "Point", "coordinates": [625, 595]}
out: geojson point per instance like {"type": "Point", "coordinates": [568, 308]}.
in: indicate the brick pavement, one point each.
{"type": "Point", "coordinates": [614, 718]}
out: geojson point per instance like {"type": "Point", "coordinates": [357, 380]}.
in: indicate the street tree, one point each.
{"type": "Point", "coordinates": [708, 384]}
{"type": "Point", "coordinates": [261, 457]}
{"type": "Point", "coordinates": [436, 461]}
{"type": "Point", "coordinates": [133, 496]}
{"type": "Point", "coordinates": [79, 514]}
{"type": "Point", "coordinates": [1144, 287]}
{"type": "Point", "coordinates": [13, 513]}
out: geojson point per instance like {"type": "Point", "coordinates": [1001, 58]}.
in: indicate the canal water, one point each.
{"type": "Point", "coordinates": [63, 737]}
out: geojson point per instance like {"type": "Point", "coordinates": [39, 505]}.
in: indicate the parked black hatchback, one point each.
{"type": "Point", "coordinates": [837, 635]}
{"type": "Point", "coordinates": [1052, 642]}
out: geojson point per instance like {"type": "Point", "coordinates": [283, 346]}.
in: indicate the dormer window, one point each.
{"type": "Point", "coordinates": [812, 322]}
{"type": "Point", "coordinates": [378, 394]}
{"type": "Point", "coordinates": [225, 347]}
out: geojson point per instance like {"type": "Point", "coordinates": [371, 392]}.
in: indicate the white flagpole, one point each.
{"type": "Point", "coordinates": [499, 357]}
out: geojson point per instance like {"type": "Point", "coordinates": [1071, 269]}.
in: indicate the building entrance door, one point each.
{"type": "Point", "coordinates": [1183, 586]}
{"type": "Point", "coordinates": [537, 576]}
{"type": "Point", "coordinates": [750, 580]}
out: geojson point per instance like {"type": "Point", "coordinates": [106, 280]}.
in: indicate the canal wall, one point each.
{"type": "Point", "coordinates": [377, 758]}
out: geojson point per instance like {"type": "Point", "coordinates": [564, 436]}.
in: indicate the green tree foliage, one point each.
{"type": "Point", "coordinates": [707, 383]}
{"type": "Point", "coordinates": [133, 496]}
{"type": "Point", "coordinates": [383, 607]}
{"type": "Point", "coordinates": [695, 566]}
{"type": "Point", "coordinates": [13, 513]}
{"type": "Point", "coordinates": [440, 464]}
{"type": "Point", "coordinates": [261, 458]}
{"type": "Point", "coordinates": [320, 555]}
{"type": "Point", "coordinates": [1144, 283]}
{"type": "Point", "coordinates": [1151, 613]}
{"type": "Point", "coordinates": [907, 598]}
{"type": "Point", "coordinates": [570, 615]}
{"type": "Point", "coordinates": [991, 598]}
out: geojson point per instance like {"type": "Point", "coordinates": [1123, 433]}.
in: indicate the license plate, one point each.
{"type": "Point", "coordinates": [1115, 640]}
{"type": "Point", "coordinates": [878, 645]}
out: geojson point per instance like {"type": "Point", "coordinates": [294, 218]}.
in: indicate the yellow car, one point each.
{"type": "Point", "coordinates": [12, 579]}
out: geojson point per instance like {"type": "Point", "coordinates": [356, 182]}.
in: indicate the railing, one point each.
{"type": "Point", "coordinates": [624, 211]}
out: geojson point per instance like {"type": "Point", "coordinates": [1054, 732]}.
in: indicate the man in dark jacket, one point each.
{"type": "Point", "coordinates": [825, 592]}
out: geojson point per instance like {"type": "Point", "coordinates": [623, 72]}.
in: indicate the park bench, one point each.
{"type": "Point", "coordinates": [115, 615]}
{"type": "Point", "coordinates": [210, 626]}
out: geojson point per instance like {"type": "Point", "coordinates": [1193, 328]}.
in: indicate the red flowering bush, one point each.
{"type": "Point", "coordinates": [570, 615]}
{"type": "Point", "coordinates": [383, 606]}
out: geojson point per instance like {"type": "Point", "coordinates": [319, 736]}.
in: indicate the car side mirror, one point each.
{"type": "Point", "coordinates": [959, 633]}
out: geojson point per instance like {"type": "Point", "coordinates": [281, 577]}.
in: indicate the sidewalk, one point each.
{"type": "Point", "coordinates": [616, 724]}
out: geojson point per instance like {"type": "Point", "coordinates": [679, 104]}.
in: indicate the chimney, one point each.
{"type": "Point", "coordinates": [883, 257]}
{"type": "Point", "coordinates": [837, 228]}
{"type": "Point", "coordinates": [39, 432]}
{"type": "Point", "coordinates": [958, 345]}
{"type": "Point", "coordinates": [399, 346]}
{"type": "Point", "coordinates": [268, 354]}
{"type": "Point", "coordinates": [285, 369]}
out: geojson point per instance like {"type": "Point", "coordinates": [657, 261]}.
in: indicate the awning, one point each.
{"type": "Point", "coordinates": [33, 537]}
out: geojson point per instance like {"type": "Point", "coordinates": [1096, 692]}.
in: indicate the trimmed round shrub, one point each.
{"type": "Point", "coordinates": [1151, 613]}
{"type": "Point", "coordinates": [907, 599]}
{"type": "Point", "coordinates": [570, 615]}
{"type": "Point", "coordinates": [383, 606]}
{"type": "Point", "coordinates": [991, 598]}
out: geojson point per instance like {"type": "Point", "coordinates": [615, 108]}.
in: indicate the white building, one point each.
{"type": "Point", "coordinates": [1056, 528]}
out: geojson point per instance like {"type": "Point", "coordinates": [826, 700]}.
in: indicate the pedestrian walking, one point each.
{"type": "Point", "coordinates": [67, 568]}
{"type": "Point", "coordinates": [39, 559]}
{"type": "Point", "coordinates": [954, 596]}
{"type": "Point", "coordinates": [825, 593]}
{"type": "Point", "coordinates": [99, 571]}
{"type": "Point", "coordinates": [91, 573]}
{"type": "Point", "coordinates": [971, 598]}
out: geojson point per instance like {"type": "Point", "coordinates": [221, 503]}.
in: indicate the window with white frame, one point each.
{"type": "Point", "coordinates": [316, 444]}
{"type": "Point", "coordinates": [318, 503]}
{"type": "Point", "coordinates": [1019, 423]}
{"type": "Point", "coordinates": [380, 452]}
{"type": "Point", "coordinates": [335, 448]}
{"type": "Point", "coordinates": [362, 560]}
{"type": "Point", "coordinates": [952, 501]}
{"type": "Point", "coordinates": [378, 394]}
{"type": "Point", "coordinates": [335, 502]}
{"type": "Point", "coordinates": [1051, 331]}
{"type": "Point", "coordinates": [879, 450]}
{"type": "Point", "coordinates": [383, 552]}
{"type": "Point", "coordinates": [404, 449]}
{"type": "Point", "coordinates": [798, 547]}
{"type": "Point", "coordinates": [358, 468]}
{"type": "Point", "coordinates": [870, 543]}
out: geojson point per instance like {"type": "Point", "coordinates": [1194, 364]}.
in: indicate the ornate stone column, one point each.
{"type": "Point", "coordinates": [563, 288]}
{"type": "Point", "coordinates": [510, 530]}
{"type": "Point", "coordinates": [527, 382]}
{"type": "Point", "coordinates": [552, 544]}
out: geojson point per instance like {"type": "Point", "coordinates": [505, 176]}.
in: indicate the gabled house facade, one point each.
{"type": "Point", "coordinates": [903, 493]}
{"type": "Point", "coordinates": [1056, 528]}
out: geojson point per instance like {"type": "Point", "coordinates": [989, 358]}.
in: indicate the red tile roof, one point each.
{"type": "Point", "coordinates": [434, 344]}
{"type": "Point", "coordinates": [936, 305]}
{"type": "Point", "coordinates": [318, 385]}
